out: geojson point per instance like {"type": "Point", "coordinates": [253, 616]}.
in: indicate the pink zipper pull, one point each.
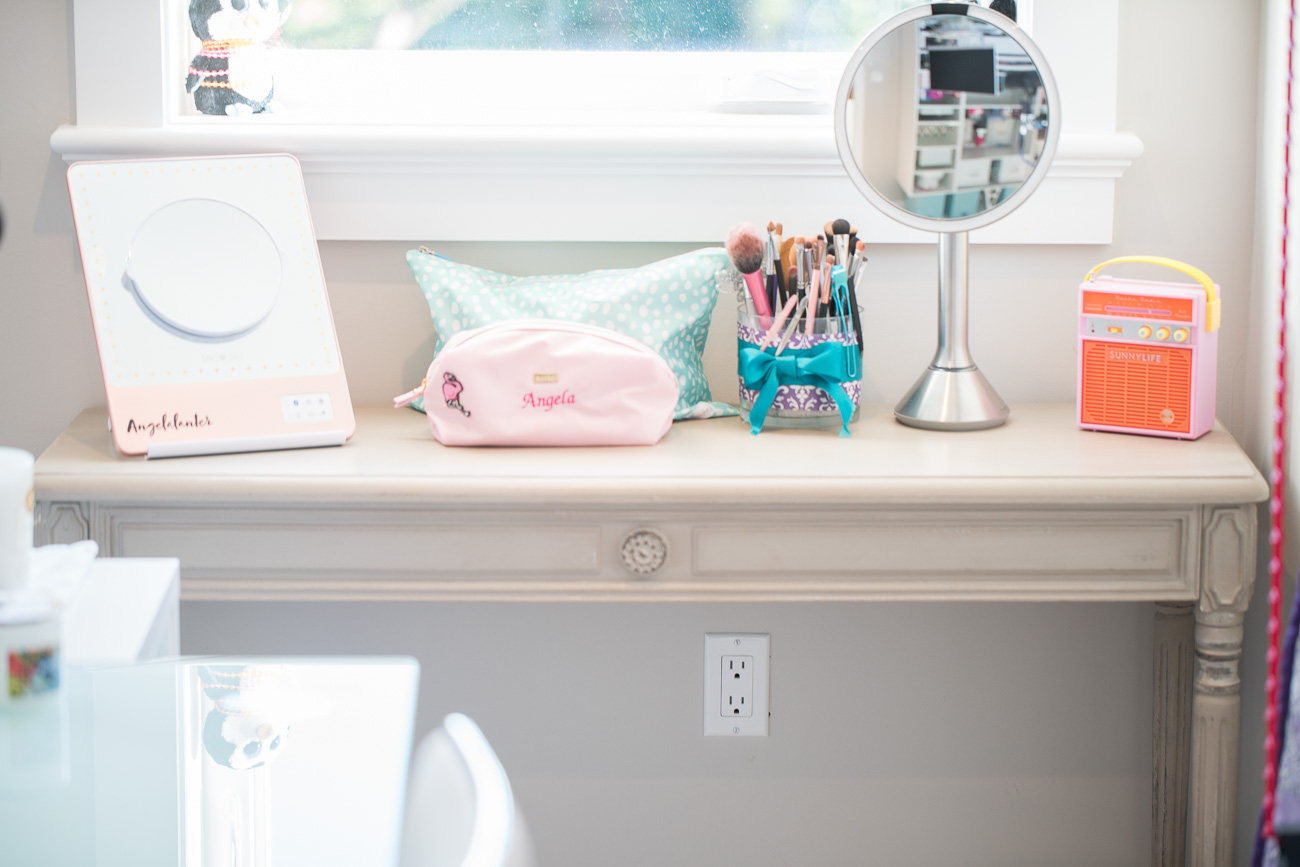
{"type": "Point", "coordinates": [403, 399]}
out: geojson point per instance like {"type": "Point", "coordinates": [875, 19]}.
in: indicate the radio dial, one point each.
{"type": "Point", "coordinates": [1162, 334]}
{"type": "Point", "coordinates": [1180, 336]}
{"type": "Point", "coordinates": [1144, 331]}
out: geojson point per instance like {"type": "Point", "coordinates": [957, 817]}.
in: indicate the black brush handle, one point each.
{"type": "Point", "coordinates": [856, 315]}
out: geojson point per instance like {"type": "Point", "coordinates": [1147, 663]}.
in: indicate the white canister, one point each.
{"type": "Point", "coordinates": [29, 651]}
{"type": "Point", "coordinates": [17, 502]}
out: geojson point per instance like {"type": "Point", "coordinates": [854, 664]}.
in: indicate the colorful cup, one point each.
{"type": "Point", "coordinates": [818, 376]}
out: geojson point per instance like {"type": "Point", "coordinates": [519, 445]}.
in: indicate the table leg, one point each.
{"type": "Point", "coordinates": [1227, 579]}
{"type": "Point", "coordinates": [1216, 735]}
{"type": "Point", "coordinates": [1171, 736]}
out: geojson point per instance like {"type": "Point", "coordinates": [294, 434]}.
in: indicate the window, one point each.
{"type": "Point", "coordinates": [537, 61]}
{"type": "Point", "coordinates": [604, 144]}
{"type": "Point", "coordinates": [585, 25]}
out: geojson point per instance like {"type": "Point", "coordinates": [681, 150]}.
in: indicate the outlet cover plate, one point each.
{"type": "Point", "coordinates": [717, 646]}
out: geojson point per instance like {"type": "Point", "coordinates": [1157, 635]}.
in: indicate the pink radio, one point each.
{"type": "Point", "coordinates": [1147, 352]}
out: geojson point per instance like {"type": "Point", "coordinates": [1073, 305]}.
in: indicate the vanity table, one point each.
{"type": "Point", "coordinates": [1035, 510]}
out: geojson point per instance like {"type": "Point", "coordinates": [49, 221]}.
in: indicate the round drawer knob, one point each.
{"type": "Point", "coordinates": [644, 552]}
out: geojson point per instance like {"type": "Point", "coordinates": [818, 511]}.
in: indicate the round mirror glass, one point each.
{"type": "Point", "coordinates": [947, 121]}
{"type": "Point", "coordinates": [207, 269]}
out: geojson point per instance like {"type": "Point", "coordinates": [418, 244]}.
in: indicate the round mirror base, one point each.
{"type": "Point", "coordinates": [956, 400]}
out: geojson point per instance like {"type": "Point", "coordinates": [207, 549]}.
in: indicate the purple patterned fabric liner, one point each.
{"type": "Point", "coordinates": [797, 341]}
{"type": "Point", "coordinates": [799, 400]}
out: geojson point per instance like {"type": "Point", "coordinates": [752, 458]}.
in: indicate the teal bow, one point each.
{"type": "Point", "coordinates": [824, 365]}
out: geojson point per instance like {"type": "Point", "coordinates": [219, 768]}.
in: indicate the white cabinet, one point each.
{"type": "Point", "coordinates": [127, 610]}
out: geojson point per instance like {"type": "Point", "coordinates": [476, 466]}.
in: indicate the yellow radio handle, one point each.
{"type": "Point", "coordinates": [1212, 311]}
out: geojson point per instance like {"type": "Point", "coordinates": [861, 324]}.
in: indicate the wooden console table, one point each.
{"type": "Point", "coordinates": [1036, 510]}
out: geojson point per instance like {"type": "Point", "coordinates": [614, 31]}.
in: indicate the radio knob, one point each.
{"type": "Point", "coordinates": [1144, 331]}
{"type": "Point", "coordinates": [1180, 335]}
{"type": "Point", "coordinates": [1162, 334]}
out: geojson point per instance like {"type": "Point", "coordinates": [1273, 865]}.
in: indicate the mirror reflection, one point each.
{"type": "Point", "coordinates": [204, 269]}
{"type": "Point", "coordinates": [947, 117]}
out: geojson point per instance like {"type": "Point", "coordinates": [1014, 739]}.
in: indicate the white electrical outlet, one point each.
{"type": "Point", "coordinates": [736, 684]}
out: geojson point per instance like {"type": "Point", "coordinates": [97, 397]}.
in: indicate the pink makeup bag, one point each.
{"type": "Point", "coordinates": [546, 382]}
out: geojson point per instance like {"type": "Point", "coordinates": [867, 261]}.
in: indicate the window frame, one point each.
{"type": "Point", "coordinates": [678, 177]}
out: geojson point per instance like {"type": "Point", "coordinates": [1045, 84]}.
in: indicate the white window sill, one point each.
{"type": "Point", "coordinates": [685, 182]}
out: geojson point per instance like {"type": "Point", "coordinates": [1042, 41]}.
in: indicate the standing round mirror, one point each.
{"type": "Point", "coordinates": [946, 119]}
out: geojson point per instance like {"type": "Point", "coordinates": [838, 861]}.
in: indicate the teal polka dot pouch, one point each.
{"type": "Point", "coordinates": [666, 305]}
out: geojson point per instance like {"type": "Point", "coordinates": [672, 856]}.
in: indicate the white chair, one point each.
{"type": "Point", "coordinates": [460, 810]}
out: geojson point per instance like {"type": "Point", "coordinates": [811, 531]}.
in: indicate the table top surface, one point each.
{"type": "Point", "coordinates": [1039, 456]}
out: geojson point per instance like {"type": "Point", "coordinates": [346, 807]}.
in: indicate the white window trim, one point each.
{"type": "Point", "coordinates": [687, 179]}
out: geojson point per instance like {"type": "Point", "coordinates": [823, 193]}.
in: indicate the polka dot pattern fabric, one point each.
{"type": "Point", "coordinates": [666, 305]}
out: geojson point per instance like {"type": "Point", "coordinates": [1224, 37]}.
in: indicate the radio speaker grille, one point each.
{"type": "Point", "coordinates": [1129, 392]}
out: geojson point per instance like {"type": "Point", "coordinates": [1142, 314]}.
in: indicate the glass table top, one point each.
{"type": "Point", "coordinates": [210, 760]}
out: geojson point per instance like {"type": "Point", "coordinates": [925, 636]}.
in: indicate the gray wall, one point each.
{"type": "Point", "coordinates": [999, 734]}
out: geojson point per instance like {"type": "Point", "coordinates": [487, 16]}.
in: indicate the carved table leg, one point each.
{"type": "Point", "coordinates": [1227, 579]}
{"type": "Point", "coordinates": [1171, 738]}
{"type": "Point", "coordinates": [1216, 735]}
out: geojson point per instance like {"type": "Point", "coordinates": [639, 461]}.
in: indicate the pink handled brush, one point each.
{"type": "Point", "coordinates": [814, 293]}
{"type": "Point", "coordinates": [780, 320]}
{"type": "Point", "coordinates": [745, 247]}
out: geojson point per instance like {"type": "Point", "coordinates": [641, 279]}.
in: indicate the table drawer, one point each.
{"type": "Point", "coordinates": [345, 542]}
{"type": "Point", "coordinates": [425, 552]}
{"type": "Point", "coordinates": [1140, 546]}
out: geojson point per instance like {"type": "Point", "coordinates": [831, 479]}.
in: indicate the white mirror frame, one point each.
{"type": "Point", "coordinates": [890, 208]}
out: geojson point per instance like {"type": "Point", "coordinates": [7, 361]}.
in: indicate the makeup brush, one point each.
{"type": "Point", "coordinates": [778, 322]}
{"type": "Point", "coordinates": [771, 271]}
{"type": "Point", "coordinates": [769, 277]}
{"type": "Point", "coordinates": [813, 289]}
{"type": "Point", "coordinates": [859, 262]}
{"type": "Point", "coordinates": [801, 269]}
{"type": "Point", "coordinates": [787, 248]}
{"type": "Point", "coordinates": [858, 258]}
{"type": "Point", "coordinates": [859, 269]}
{"type": "Point", "coordinates": [745, 248]}
{"type": "Point", "coordinates": [814, 299]}
{"type": "Point", "coordinates": [839, 236]}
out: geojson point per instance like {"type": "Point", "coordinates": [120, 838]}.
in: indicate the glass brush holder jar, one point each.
{"type": "Point", "coordinates": [802, 378]}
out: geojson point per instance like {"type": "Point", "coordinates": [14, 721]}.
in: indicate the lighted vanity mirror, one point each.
{"type": "Point", "coordinates": [946, 119]}
{"type": "Point", "coordinates": [209, 305]}
{"type": "Point", "coordinates": [195, 287]}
